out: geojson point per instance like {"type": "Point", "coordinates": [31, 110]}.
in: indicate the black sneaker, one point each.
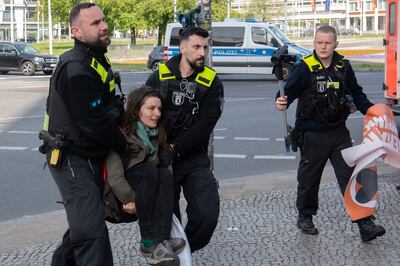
{"type": "Point", "coordinates": [162, 254]}
{"type": "Point", "coordinates": [369, 231]}
{"type": "Point", "coordinates": [177, 245]}
{"type": "Point", "coordinates": [305, 223]}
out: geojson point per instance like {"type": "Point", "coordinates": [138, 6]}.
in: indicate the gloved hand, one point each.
{"type": "Point", "coordinates": [166, 155]}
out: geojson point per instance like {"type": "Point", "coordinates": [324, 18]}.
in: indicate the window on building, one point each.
{"type": "Point", "coordinates": [228, 36]}
{"type": "Point", "coordinates": [381, 4]}
{"type": "Point", "coordinates": [352, 6]}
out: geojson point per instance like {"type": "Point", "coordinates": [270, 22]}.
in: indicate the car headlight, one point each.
{"type": "Point", "coordinates": [38, 60]}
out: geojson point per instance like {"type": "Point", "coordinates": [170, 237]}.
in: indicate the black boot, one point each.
{"type": "Point", "coordinates": [305, 223]}
{"type": "Point", "coordinates": [398, 187]}
{"type": "Point", "coordinates": [369, 231]}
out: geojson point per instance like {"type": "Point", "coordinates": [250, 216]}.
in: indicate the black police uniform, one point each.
{"type": "Point", "coordinates": [192, 107]}
{"type": "Point", "coordinates": [322, 111]}
{"type": "Point", "coordinates": [79, 114]}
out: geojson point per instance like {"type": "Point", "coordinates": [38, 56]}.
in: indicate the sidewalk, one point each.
{"type": "Point", "coordinates": [257, 226]}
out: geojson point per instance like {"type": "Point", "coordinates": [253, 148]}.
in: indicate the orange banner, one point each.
{"type": "Point", "coordinates": [380, 139]}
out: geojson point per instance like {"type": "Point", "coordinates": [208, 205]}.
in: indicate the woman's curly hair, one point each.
{"type": "Point", "coordinates": [136, 99]}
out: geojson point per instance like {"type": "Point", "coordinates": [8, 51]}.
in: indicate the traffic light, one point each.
{"type": "Point", "coordinates": [189, 19]}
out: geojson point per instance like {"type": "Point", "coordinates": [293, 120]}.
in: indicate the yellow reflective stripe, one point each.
{"type": "Point", "coordinates": [112, 85]}
{"type": "Point", "coordinates": [335, 84]}
{"type": "Point", "coordinates": [46, 122]}
{"type": "Point", "coordinates": [108, 60]}
{"type": "Point", "coordinates": [313, 64]}
{"type": "Point", "coordinates": [99, 69]}
{"type": "Point", "coordinates": [206, 77]}
{"type": "Point", "coordinates": [164, 73]}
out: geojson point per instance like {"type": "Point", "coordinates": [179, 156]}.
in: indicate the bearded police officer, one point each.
{"type": "Point", "coordinates": [193, 98]}
{"type": "Point", "coordinates": [327, 91]}
{"type": "Point", "coordinates": [80, 128]}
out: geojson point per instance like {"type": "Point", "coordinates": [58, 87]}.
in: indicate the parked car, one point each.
{"type": "Point", "coordinates": [155, 57]}
{"type": "Point", "coordinates": [28, 39]}
{"type": "Point", "coordinates": [19, 56]}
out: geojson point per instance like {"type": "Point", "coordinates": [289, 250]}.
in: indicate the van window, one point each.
{"type": "Point", "coordinates": [175, 40]}
{"type": "Point", "coordinates": [228, 36]}
{"type": "Point", "coordinates": [392, 19]}
{"type": "Point", "coordinates": [259, 35]}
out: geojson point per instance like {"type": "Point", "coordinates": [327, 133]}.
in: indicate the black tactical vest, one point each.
{"type": "Point", "coordinates": [323, 101]}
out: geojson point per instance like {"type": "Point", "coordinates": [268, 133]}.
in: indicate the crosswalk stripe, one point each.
{"type": "Point", "coordinates": [230, 156]}
{"type": "Point", "coordinates": [249, 138]}
{"type": "Point", "coordinates": [275, 157]}
{"type": "Point", "coordinates": [11, 148]}
{"type": "Point", "coordinates": [219, 137]}
{"type": "Point", "coordinates": [21, 132]}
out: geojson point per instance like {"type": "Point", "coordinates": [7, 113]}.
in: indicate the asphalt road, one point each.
{"type": "Point", "coordinates": [247, 139]}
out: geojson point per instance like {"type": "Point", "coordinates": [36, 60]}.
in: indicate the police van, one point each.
{"type": "Point", "coordinates": [241, 47]}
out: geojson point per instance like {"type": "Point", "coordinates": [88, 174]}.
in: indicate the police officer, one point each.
{"type": "Point", "coordinates": [327, 91]}
{"type": "Point", "coordinates": [80, 128]}
{"type": "Point", "coordinates": [193, 98]}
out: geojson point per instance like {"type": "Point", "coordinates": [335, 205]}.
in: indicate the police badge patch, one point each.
{"type": "Point", "coordinates": [321, 86]}
{"type": "Point", "coordinates": [178, 98]}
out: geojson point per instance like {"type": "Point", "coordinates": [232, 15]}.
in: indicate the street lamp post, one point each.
{"type": "Point", "coordinates": [175, 19]}
{"type": "Point", "coordinates": [12, 19]}
{"type": "Point", "coordinates": [50, 28]}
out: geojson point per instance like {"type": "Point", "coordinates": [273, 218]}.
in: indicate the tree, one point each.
{"type": "Point", "coordinates": [266, 10]}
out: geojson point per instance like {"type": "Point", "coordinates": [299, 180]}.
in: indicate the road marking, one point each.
{"type": "Point", "coordinates": [219, 137]}
{"type": "Point", "coordinates": [275, 157]}
{"type": "Point", "coordinates": [249, 138]}
{"type": "Point", "coordinates": [35, 149]}
{"type": "Point", "coordinates": [10, 148]}
{"type": "Point", "coordinates": [246, 99]}
{"type": "Point", "coordinates": [279, 139]}
{"type": "Point", "coordinates": [220, 129]}
{"type": "Point", "coordinates": [230, 156]}
{"type": "Point", "coordinates": [22, 132]}
{"type": "Point", "coordinates": [20, 117]}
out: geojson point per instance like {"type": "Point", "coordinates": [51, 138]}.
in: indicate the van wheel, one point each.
{"type": "Point", "coordinates": [286, 69]}
{"type": "Point", "coordinates": [28, 68]}
{"type": "Point", "coordinates": [154, 66]}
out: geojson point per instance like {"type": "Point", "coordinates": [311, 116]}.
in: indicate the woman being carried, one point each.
{"type": "Point", "coordinates": [150, 190]}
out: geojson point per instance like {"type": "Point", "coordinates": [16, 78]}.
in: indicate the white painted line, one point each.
{"type": "Point", "coordinates": [219, 137]}
{"type": "Point", "coordinates": [248, 138]}
{"type": "Point", "coordinates": [230, 156]}
{"type": "Point", "coordinates": [279, 139]}
{"type": "Point", "coordinates": [10, 148]}
{"type": "Point", "coordinates": [20, 117]}
{"type": "Point", "coordinates": [22, 132]}
{"type": "Point", "coordinates": [246, 99]}
{"type": "Point", "coordinates": [35, 149]}
{"type": "Point", "coordinates": [275, 157]}
{"type": "Point", "coordinates": [219, 129]}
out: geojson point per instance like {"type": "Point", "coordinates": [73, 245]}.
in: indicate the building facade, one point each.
{"type": "Point", "coordinates": [20, 18]}
{"type": "Point", "coordinates": [348, 16]}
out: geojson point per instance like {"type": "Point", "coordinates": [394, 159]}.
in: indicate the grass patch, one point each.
{"type": "Point", "coordinates": [370, 66]}
{"type": "Point", "coordinates": [129, 67]}
{"type": "Point", "coordinates": [61, 47]}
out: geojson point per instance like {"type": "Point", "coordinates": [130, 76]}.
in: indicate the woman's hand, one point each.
{"type": "Point", "coordinates": [130, 207]}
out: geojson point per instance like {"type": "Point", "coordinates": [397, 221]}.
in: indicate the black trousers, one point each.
{"type": "Point", "coordinates": [193, 174]}
{"type": "Point", "coordinates": [154, 200]}
{"type": "Point", "coordinates": [318, 147]}
{"type": "Point", "coordinates": [86, 242]}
